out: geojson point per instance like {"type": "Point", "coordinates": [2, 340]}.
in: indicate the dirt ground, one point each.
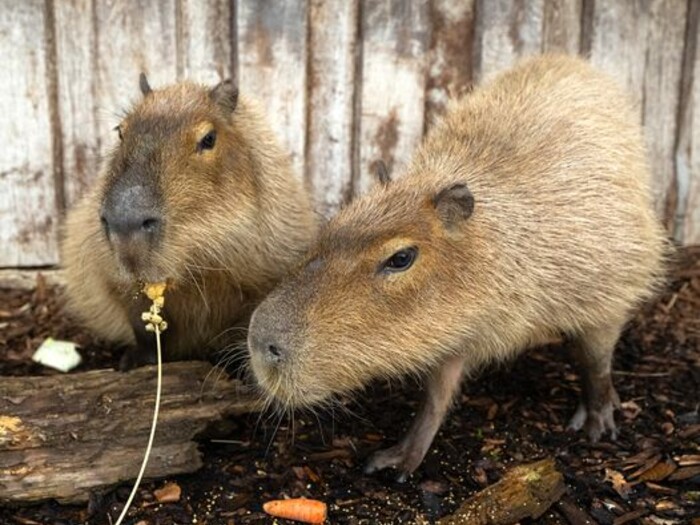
{"type": "Point", "coordinates": [511, 415]}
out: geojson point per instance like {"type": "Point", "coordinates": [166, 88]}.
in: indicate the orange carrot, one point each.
{"type": "Point", "coordinates": [298, 509]}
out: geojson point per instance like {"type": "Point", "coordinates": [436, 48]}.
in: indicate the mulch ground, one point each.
{"type": "Point", "coordinates": [514, 414]}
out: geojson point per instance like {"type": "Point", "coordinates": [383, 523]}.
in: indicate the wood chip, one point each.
{"type": "Point", "coordinates": [660, 489]}
{"type": "Point", "coordinates": [619, 483]}
{"type": "Point", "coordinates": [524, 491]}
{"type": "Point", "coordinates": [647, 465]}
{"type": "Point", "coordinates": [688, 460]}
{"type": "Point", "coordinates": [630, 516]}
{"type": "Point", "coordinates": [685, 473]}
{"type": "Point", "coordinates": [659, 472]}
{"type": "Point", "coordinates": [574, 514]}
{"type": "Point", "coordinates": [170, 493]}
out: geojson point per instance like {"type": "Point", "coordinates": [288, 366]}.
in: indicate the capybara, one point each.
{"type": "Point", "coordinates": [198, 193]}
{"type": "Point", "coordinates": [525, 215]}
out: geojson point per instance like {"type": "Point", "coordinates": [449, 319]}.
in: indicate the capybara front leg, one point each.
{"type": "Point", "coordinates": [593, 352]}
{"type": "Point", "coordinates": [144, 352]}
{"type": "Point", "coordinates": [408, 454]}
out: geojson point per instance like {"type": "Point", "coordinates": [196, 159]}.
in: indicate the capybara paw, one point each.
{"type": "Point", "coordinates": [397, 457]}
{"type": "Point", "coordinates": [595, 422]}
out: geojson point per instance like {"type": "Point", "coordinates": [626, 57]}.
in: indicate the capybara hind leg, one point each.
{"type": "Point", "coordinates": [593, 351]}
{"type": "Point", "coordinates": [410, 451]}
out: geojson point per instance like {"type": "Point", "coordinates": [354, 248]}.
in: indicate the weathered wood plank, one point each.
{"type": "Point", "coordinates": [525, 491]}
{"type": "Point", "coordinates": [332, 47]}
{"type": "Point", "coordinates": [506, 31]}
{"type": "Point", "coordinates": [450, 72]}
{"type": "Point", "coordinates": [131, 37]}
{"type": "Point", "coordinates": [27, 279]}
{"type": "Point", "coordinates": [272, 48]}
{"type": "Point", "coordinates": [77, 82]}
{"type": "Point", "coordinates": [63, 436]}
{"type": "Point", "coordinates": [396, 39]}
{"type": "Point", "coordinates": [687, 151]}
{"type": "Point", "coordinates": [561, 30]}
{"type": "Point", "coordinates": [641, 43]}
{"type": "Point", "coordinates": [28, 214]}
{"type": "Point", "coordinates": [204, 40]}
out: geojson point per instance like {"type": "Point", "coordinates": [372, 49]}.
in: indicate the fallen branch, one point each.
{"type": "Point", "coordinates": [62, 436]}
{"type": "Point", "coordinates": [526, 491]}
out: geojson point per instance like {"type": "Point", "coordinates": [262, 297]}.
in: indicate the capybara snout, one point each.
{"type": "Point", "coordinates": [334, 313]}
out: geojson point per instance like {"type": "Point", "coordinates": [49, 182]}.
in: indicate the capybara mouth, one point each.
{"type": "Point", "coordinates": [140, 267]}
{"type": "Point", "coordinates": [280, 386]}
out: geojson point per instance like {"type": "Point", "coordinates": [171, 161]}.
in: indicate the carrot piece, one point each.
{"type": "Point", "coordinates": [298, 509]}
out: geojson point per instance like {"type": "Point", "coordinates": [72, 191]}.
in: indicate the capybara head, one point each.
{"type": "Point", "coordinates": [179, 169]}
{"type": "Point", "coordinates": [370, 299]}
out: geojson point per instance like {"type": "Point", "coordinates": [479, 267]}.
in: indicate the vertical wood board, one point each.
{"type": "Point", "coordinates": [687, 154]}
{"type": "Point", "coordinates": [272, 48]}
{"type": "Point", "coordinates": [395, 41]}
{"type": "Point", "coordinates": [27, 197]}
{"type": "Point", "coordinates": [641, 43]}
{"type": "Point", "coordinates": [561, 28]}
{"type": "Point", "coordinates": [204, 40]}
{"type": "Point", "coordinates": [450, 71]}
{"type": "Point", "coordinates": [132, 37]}
{"type": "Point", "coordinates": [506, 31]}
{"type": "Point", "coordinates": [77, 82]}
{"type": "Point", "coordinates": [332, 47]}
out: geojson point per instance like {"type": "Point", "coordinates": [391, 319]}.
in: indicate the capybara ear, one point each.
{"type": "Point", "coordinates": [144, 85]}
{"type": "Point", "coordinates": [454, 204]}
{"type": "Point", "coordinates": [381, 173]}
{"type": "Point", "coordinates": [225, 94]}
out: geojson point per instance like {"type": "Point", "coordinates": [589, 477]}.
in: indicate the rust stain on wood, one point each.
{"type": "Point", "coordinates": [450, 72]}
{"type": "Point", "coordinates": [386, 138]}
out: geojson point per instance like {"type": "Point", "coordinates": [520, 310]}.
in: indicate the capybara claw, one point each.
{"type": "Point", "coordinates": [396, 457]}
{"type": "Point", "coordinates": [595, 423]}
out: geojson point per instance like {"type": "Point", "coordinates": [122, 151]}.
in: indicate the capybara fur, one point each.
{"type": "Point", "coordinates": [524, 215]}
{"type": "Point", "coordinates": [198, 193]}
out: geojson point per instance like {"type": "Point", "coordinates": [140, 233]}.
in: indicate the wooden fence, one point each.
{"type": "Point", "coordinates": [345, 82]}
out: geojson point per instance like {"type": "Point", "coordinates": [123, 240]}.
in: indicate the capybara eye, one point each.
{"type": "Point", "coordinates": [118, 129]}
{"type": "Point", "coordinates": [207, 141]}
{"type": "Point", "coordinates": [401, 260]}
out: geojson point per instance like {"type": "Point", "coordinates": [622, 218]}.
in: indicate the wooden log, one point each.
{"type": "Point", "coordinates": [28, 212]}
{"type": "Point", "coordinates": [526, 491]}
{"type": "Point", "coordinates": [65, 435]}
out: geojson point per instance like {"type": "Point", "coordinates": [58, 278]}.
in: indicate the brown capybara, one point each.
{"type": "Point", "coordinates": [525, 215]}
{"type": "Point", "coordinates": [199, 193]}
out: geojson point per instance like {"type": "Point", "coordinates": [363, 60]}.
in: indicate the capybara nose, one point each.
{"type": "Point", "coordinates": [130, 225]}
{"type": "Point", "coordinates": [131, 212]}
{"type": "Point", "coordinates": [271, 351]}
{"type": "Point", "coordinates": [274, 353]}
